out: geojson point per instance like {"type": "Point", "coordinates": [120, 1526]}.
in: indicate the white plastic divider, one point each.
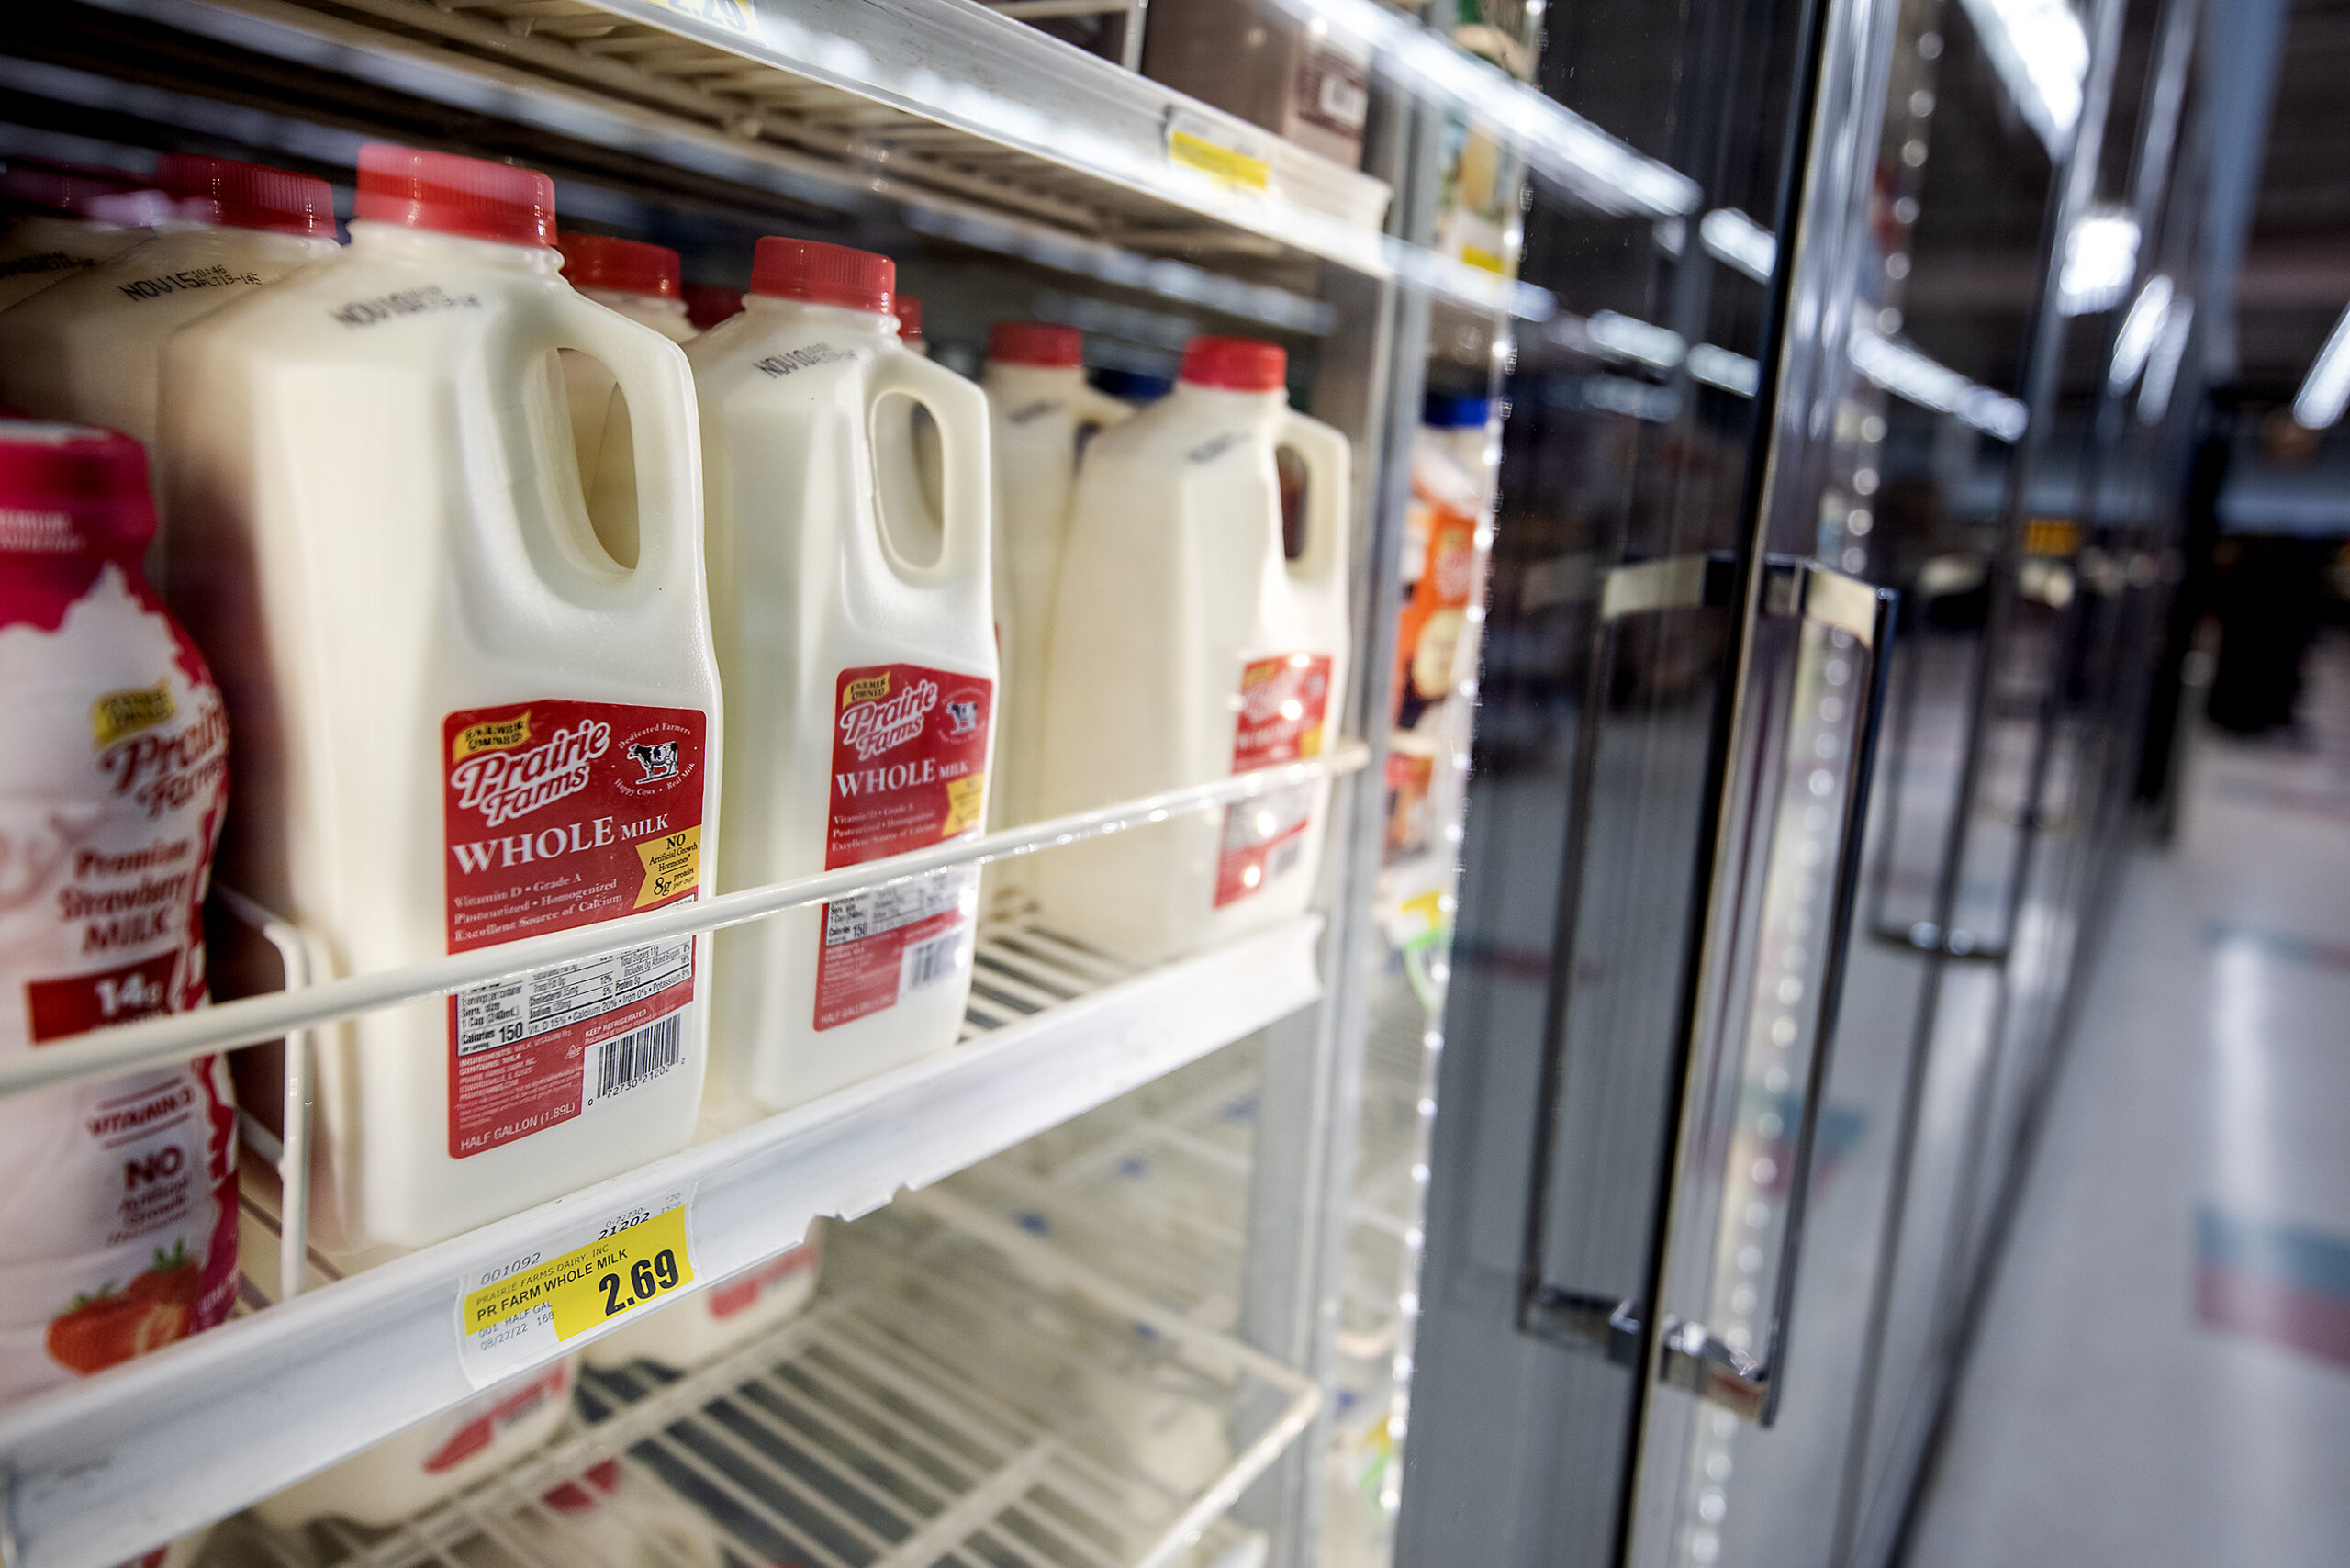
{"type": "Point", "coordinates": [101, 1471]}
{"type": "Point", "coordinates": [106, 1053]}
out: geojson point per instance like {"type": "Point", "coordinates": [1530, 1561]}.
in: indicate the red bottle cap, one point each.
{"type": "Point", "coordinates": [908, 310]}
{"type": "Point", "coordinates": [707, 305]}
{"type": "Point", "coordinates": [823, 275]}
{"type": "Point", "coordinates": [455, 196]}
{"type": "Point", "coordinates": [624, 266]}
{"type": "Point", "coordinates": [71, 490]}
{"type": "Point", "coordinates": [1237, 365]}
{"type": "Point", "coordinates": [247, 196]}
{"type": "Point", "coordinates": [47, 184]}
{"type": "Point", "coordinates": [1037, 344]}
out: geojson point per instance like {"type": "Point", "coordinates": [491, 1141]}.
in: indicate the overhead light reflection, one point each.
{"type": "Point", "coordinates": [2042, 54]}
{"type": "Point", "coordinates": [1719, 367]}
{"type": "Point", "coordinates": [1631, 337]}
{"type": "Point", "coordinates": [2100, 258]}
{"type": "Point", "coordinates": [2140, 328]}
{"type": "Point", "coordinates": [1909, 375]}
{"type": "Point", "coordinates": [1734, 238]}
{"type": "Point", "coordinates": [2161, 366]}
{"type": "Point", "coordinates": [2320, 402]}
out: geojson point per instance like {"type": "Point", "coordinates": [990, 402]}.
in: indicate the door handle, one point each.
{"type": "Point", "coordinates": [1801, 818]}
{"type": "Point", "coordinates": [1781, 973]}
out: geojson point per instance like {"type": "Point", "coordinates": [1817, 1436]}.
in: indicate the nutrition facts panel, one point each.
{"type": "Point", "coordinates": [506, 1011]}
{"type": "Point", "coordinates": [893, 908]}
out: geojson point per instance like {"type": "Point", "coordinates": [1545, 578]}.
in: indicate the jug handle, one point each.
{"type": "Point", "coordinates": [960, 410]}
{"type": "Point", "coordinates": [665, 444]}
{"type": "Point", "coordinates": [1093, 408]}
{"type": "Point", "coordinates": [1329, 493]}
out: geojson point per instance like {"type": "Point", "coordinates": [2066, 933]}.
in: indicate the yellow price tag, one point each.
{"type": "Point", "coordinates": [1228, 165]}
{"type": "Point", "coordinates": [635, 1265]}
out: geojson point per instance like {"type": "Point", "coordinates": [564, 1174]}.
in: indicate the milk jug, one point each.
{"type": "Point", "coordinates": [90, 348]}
{"type": "Point", "coordinates": [611, 1516]}
{"type": "Point", "coordinates": [1039, 407]}
{"type": "Point", "coordinates": [415, 1469]}
{"type": "Point", "coordinates": [467, 724]}
{"type": "Point", "coordinates": [117, 1199]}
{"type": "Point", "coordinates": [852, 626]}
{"type": "Point", "coordinates": [641, 282]}
{"type": "Point", "coordinates": [70, 216]}
{"type": "Point", "coordinates": [1187, 644]}
{"type": "Point", "coordinates": [734, 1311]}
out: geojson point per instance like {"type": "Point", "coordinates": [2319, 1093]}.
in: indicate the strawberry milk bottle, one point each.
{"type": "Point", "coordinates": [734, 1311]}
{"type": "Point", "coordinates": [91, 347]}
{"type": "Point", "coordinates": [1187, 644]}
{"type": "Point", "coordinates": [118, 1200]}
{"type": "Point", "coordinates": [415, 1469]}
{"type": "Point", "coordinates": [69, 217]}
{"type": "Point", "coordinates": [1039, 407]}
{"type": "Point", "coordinates": [852, 622]}
{"type": "Point", "coordinates": [468, 724]}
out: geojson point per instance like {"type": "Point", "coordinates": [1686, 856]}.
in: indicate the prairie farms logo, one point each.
{"type": "Point", "coordinates": [876, 726]}
{"type": "Point", "coordinates": [1277, 689]}
{"type": "Point", "coordinates": [504, 785]}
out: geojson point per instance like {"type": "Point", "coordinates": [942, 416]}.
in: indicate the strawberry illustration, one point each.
{"type": "Point", "coordinates": [97, 1331]}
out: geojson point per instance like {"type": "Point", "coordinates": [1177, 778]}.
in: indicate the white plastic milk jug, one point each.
{"type": "Point", "coordinates": [1038, 405]}
{"type": "Point", "coordinates": [463, 722]}
{"type": "Point", "coordinates": [709, 1323]}
{"type": "Point", "coordinates": [614, 1514]}
{"type": "Point", "coordinates": [852, 626]}
{"type": "Point", "coordinates": [1187, 645]}
{"type": "Point", "coordinates": [70, 216]}
{"type": "Point", "coordinates": [117, 1199]}
{"type": "Point", "coordinates": [415, 1469]}
{"type": "Point", "coordinates": [91, 347]}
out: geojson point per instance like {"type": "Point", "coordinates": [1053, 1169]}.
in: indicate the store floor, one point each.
{"type": "Point", "coordinates": [2163, 1377]}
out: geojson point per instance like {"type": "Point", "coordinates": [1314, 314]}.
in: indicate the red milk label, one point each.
{"type": "Point", "coordinates": [1284, 701]}
{"type": "Point", "coordinates": [561, 814]}
{"type": "Point", "coordinates": [910, 756]}
{"type": "Point", "coordinates": [472, 1426]}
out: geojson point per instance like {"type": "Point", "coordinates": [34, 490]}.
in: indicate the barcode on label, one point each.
{"type": "Point", "coordinates": [626, 1060]}
{"type": "Point", "coordinates": [932, 960]}
{"type": "Point", "coordinates": [1283, 858]}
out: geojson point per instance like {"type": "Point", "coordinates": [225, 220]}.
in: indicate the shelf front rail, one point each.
{"type": "Point", "coordinates": [108, 1053]}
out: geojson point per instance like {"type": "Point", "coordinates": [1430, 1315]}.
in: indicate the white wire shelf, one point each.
{"type": "Point", "coordinates": [971, 119]}
{"type": "Point", "coordinates": [942, 1401]}
{"type": "Point", "coordinates": [1152, 1190]}
{"type": "Point", "coordinates": [103, 1468]}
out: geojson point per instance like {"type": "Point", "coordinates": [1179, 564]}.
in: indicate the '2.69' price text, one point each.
{"type": "Point", "coordinates": [647, 1278]}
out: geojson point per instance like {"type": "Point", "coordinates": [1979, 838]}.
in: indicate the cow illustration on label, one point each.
{"type": "Point", "coordinates": [657, 759]}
